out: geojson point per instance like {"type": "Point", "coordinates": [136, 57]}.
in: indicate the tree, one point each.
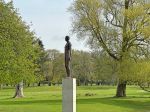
{"type": "Point", "coordinates": [105, 68]}
{"type": "Point", "coordinates": [56, 63]}
{"type": "Point", "coordinates": [119, 27]}
{"type": "Point", "coordinates": [17, 49]}
{"type": "Point", "coordinates": [82, 67]}
{"type": "Point", "coordinates": [41, 62]}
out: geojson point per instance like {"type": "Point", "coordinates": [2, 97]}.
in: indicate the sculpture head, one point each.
{"type": "Point", "coordinates": [67, 38]}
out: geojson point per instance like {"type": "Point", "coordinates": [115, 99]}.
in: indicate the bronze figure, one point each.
{"type": "Point", "coordinates": [68, 56]}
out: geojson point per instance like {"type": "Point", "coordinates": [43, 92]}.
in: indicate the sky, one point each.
{"type": "Point", "coordinates": [50, 20]}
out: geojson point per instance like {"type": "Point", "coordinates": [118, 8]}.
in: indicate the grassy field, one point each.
{"type": "Point", "coordinates": [48, 99]}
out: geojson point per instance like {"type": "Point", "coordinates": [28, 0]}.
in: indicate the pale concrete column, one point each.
{"type": "Point", "coordinates": [69, 95]}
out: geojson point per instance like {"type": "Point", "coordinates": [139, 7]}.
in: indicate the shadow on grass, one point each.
{"type": "Point", "coordinates": [28, 102]}
{"type": "Point", "coordinates": [129, 102]}
{"type": "Point", "coordinates": [136, 103]}
{"type": "Point", "coordinates": [96, 87]}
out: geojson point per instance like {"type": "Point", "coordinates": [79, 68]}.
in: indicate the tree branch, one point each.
{"type": "Point", "coordinates": [111, 22]}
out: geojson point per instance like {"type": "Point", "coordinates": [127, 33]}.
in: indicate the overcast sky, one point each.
{"type": "Point", "coordinates": [51, 21]}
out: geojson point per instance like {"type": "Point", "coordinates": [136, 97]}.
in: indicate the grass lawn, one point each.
{"type": "Point", "coordinates": [48, 99]}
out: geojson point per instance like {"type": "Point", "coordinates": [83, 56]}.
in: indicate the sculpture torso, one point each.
{"type": "Point", "coordinates": [68, 58]}
{"type": "Point", "coordinates": [67, 50]}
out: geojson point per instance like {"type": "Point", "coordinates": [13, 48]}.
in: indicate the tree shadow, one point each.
{"type": "Point", "coordinates": [28, 102]}
{"type": "Point", "coordinates": [128, 102]}
{"type": "Point", "coordinates": [132, 102]}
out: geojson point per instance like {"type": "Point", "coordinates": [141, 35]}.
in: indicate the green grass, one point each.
{"type": "Point", "coordinates": [48, 99]}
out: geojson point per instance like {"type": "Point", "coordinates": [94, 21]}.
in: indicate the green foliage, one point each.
{"type": "Point", "coordinates": [55, 69]}
{"type": "Point", "coordinates": [118, 27]}
{"type": "Point", "coordinates": [17, 47]}
{"type": "Point", "coordinates": [105, 69]}
{"type": "Point", "coordinates": [141, 72]}
{"type": "Point", "coordinates": [41, 61]}
{"type": "Point", "coordinates": [82, 66]}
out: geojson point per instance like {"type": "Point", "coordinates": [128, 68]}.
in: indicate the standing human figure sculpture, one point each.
{"type": "Point", "coordinates": [68, 56]}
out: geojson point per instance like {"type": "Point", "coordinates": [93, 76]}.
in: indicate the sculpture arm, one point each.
{"type": "Point", "coordinates": [70, 54]}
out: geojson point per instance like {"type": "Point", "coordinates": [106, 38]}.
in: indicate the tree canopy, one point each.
{"type": "Point", "coordinates": [19, 49]}
{"type": "Point", "coordinates": [119, 27]}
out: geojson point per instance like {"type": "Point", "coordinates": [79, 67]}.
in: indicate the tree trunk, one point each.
{"type": "Point", "coordinates": [121, 89]}
{"type": "Point", "coordinates": [19, 90]}
{"type": "Point", "coordinates": [39, 84]}
{"type": "Point", "coordinates": [49, 83]}
{"type": "Point", "coordinates": [28, 84]}
{"type": "Point", "coordinates": [98, 83]}
{"type": "Point", "coordinates": [78, 82]}
{"type": "Point", "coordinates": [91, 83]}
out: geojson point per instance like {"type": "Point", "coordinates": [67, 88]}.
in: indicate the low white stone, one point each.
{"type": "Point", "coordinates": [69, 95]}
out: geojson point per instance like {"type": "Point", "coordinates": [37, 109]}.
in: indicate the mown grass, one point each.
{"type": "Point", "coordinates": [48, 99]}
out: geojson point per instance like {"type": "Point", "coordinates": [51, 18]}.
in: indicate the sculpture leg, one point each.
{"type": "Point", "coordinates": [67, 66]}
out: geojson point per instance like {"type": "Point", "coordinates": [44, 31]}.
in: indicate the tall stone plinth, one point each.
{"type": "Point", "coordinates": [69, 95]}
